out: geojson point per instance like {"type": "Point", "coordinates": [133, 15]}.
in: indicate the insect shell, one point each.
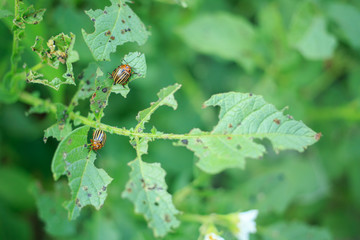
{"type": "Point", "coordinates": [121, 74]}
{"type": "Point", "coordinates": [99, 139]}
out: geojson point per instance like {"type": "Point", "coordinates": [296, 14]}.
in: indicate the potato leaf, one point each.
{"type": "Point", "coordinates": [146, 188]}
{"type": "Point", "coordinates": [115, 25]}
{"type": "Point", "coordinates": [243, 118]}
{"type": "Point", "coordinates": [88, 184]}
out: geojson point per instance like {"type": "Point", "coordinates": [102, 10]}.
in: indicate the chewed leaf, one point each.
{"type": "Point", "coordinates": [243, 118]}
{"type": "Point", "coordinates": [105, 85]}
{"type": "Point", "coordinates": [99, 99]}
{"type": "Point", "coordinates": [87, 84]}
{"type": "Point", "coordinates": [58, 50]}
{"type": "Point", "coordinates": [63, 126]}
{"type": "Point", "coordinates": [147, 190]}
{"type": "Point", "coordinates": [88, 184]}
{"type": "Point", "coordinates": [28, 15]}
{"type": "Point", "coordinates": [166, 97]}
{"type": "Point", "coordinates": [114, 26]}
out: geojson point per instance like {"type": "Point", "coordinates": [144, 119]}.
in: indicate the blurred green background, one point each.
{"type": "Point", "coordinates": [300, 54]}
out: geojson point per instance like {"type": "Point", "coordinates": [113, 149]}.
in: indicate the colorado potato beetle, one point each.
{"type": "Point", "coordinates": [99, 139]}
{"type": "Point", "coordinates": [121, 74]}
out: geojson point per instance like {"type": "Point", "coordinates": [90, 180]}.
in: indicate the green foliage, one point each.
{"type": "Point", "coordinates": [115, 25]}
{"type": "Point", "coordinates": [244, 118]}
{"type": "Point", "coordinates": [301, 55]}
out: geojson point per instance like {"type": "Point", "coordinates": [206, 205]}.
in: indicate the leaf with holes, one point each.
{"type": "Point", "coordinates": [87, 84]}
{"type": "Point", "coordinates": [87, 183]}
{"type": "Point", "coordinates": [115, 25]}
{"type": "Point", "coordinates": [63, 126]}
{"type": "Point", "coordinates": [243, 118]}
{"type": "Point", "coordinates": [58, 50]}
{"type": "Point", "coordinates": [166, 97]}
{"type": "Point", "coordinates": [105, 85]}
{"type": "Point", "coordinates": [147, 190]}
{"type": "Point", "coordinates": [28, 15]}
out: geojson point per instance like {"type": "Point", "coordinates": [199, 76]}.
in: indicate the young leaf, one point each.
{"type": "Point", "coordinates": [87, 183]}
{"type": "Point", "coordinates": [58, 49]}
{"type": "Point", "coordinates": [114, 26]}
{"type": "Point", "coordinates": [221, 34]}
{"type": "Point", "coordinates": [243, 118]}
{"type": "Point", "coordinates": [63, 126]}
{"type": "Point", "coordinates": [147, 190]}
{"type": "Point", "coordinates": [166, 97]}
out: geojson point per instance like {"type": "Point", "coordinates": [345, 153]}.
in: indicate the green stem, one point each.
{"type": "Point", "coordinates": [15, 44]}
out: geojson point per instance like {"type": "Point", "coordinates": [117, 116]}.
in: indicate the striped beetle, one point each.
{"type": "Point", "coordinates": [99, 139]}
{"type": "Point", "coordinates": [121, 74]}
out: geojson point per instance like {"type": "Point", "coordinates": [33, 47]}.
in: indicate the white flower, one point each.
{"type": "Point", "coordinates": [246, 224]}
{"type": "Point", "coordinates": [212, 236]}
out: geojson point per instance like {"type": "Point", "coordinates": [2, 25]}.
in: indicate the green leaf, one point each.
{"type": "Point", "coordinates": [63, 126]}
{"type": "Point", "coordinates": [147, 190]}
{"type": "Point", "coordinates": [221, 34]}
{"type": "Point", "coordinates": [87, 183]}
{"type": "Point", "coordinates": [295, 230]}
{"type": "Point", "coordinates": [243, 118]}
{"type": "Point", "coordinates": [345, 15]}
{"type": "Point", "coordinates": [53, 214]}
{"type": "Point", "coordinates": [166, 97]}
{"type": "Point", "coordinates": [114, 26]}
{"type": "Point", "coordinates": [104, 85]}
{"type": "Point", "coordinates": [308, 33]}
{"type": "Point", "coordinates": [58, 50]}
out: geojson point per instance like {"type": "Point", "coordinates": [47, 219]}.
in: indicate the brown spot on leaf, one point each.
{"type": "Point", "coordinates": [230, 125]}
{"type": "Point", "coordinates": [123, 21]}
{"type": "Point", "coordinates": [112, 38]}
{"type": "Point", "coordinates": [85, 188]}
{"type": "Point", "coordinates": [167, 218]}
{"type": "Point", "coordinates": [104, 188]}
{"type": "Point", "coordinates": [185, 141]}
{"type": "Point", "coordinates": [108, 33]}
{"type": "Point", "coordinates": [93, 19]}
{"type": "Point", "coordinates": [229, 138]}
{"type": "Point", "coordinates": [318, 136]}
{"type": "Point", "coordinates": [69, 141]}
{"type": "Point", "coordinates": [104, 90]}
{"type": "Point", "coordinates": [105, 12]}
{"type": "Point", "coordinates": [277, 121]}
{"type": "Point", "coordinates": [129, 190]}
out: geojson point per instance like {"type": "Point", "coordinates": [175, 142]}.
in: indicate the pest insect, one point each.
{"type": "Point", "coordinates": [99, 139]}
{"type": "Point", "coordinates": [121, 74]}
